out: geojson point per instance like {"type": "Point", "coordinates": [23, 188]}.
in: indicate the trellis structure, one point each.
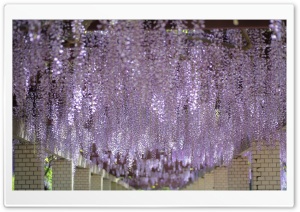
{"type": "Point", "coordinates": [155, 102]}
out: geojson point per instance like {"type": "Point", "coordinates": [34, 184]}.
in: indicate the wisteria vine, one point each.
{"type": "Point", "coordinates": [155, 106]}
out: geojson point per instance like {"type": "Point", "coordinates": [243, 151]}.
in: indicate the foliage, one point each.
{"type": "Point", "coordinates": [13, 182]}
{"type": "Point", "coordinates": [48, 173]}
{"type": "Point", "coordinates": [48, 178]}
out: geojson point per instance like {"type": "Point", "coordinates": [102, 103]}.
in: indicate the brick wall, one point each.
{"type": "Point", "coordinates": [114, 186]}
{"type": "Point", "coordinates": [238, 174]}
{"type": "Point", "coordinates": [201, 183]}
{"type": "Point", "coordinates": [265, 167]}
{"type": "Point", "coordinates": [221, 178]}
{"type": "Point", "coordinates": [209, 181]}
{"type": "Point", "coordinates": [28, 168]}
{"type": "Point", "coordinates": [82, 179]}
{"type": "Point", "coordinates": [96, 182]}
{"type": "Point", "coordinates": [190, 186]}
{"type": "Point", "coordinates": [120, 187]}
{"type": "Point", "coordinates": [123, 188]}
{"type": "Point", "coordinates": [106, 184]}
{"type": "Point", "coordinates": [62, 178]}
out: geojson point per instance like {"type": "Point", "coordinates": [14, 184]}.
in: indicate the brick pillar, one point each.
{"type": "Point", "coordinates": [96, 182]}
{"type": "Point", "coordinates": [106, 184]}
{"type": "Point", "coordinates": [194, 185]}
{"type": "Point", "coordinates": [238, 174]}
{"type": "Point", "coordinates": [62, 178]}
{"type": "Point", "coordinates": [201, 183]}
{"type": "Point", "coordinates": [190, 187]}
{"type": "Point", "coordinates": [28, 168]}
{"type": "Point", "coordinates": [124, 188]}
{"type": "Point", "coordinates": [82, 179]}
{"type": "Point", "coordinates": [119, 187]}
{"type": "Point", "coordinates": [113, 185]}
{"type": "Point", "coordinates": [221, 178]}
{"type": "Point", "coordinates": [265, 167]}
{"type": "Point", "coordinates": [209, 181]}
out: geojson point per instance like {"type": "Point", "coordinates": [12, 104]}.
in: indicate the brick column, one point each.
{"type": "Point", "coordinates": [62, 178]}
{"type": "Point", "coordinates": [190, 187]}
{"type": "Point", "coordinates": [96, 182]}
{"type": "Point", "coordinates": [221, 178]}
{"type": "Point", "coordinates": [201, 183]}
{"type": "Point", "coordinates": [265, 167]}
{"type": "Point", "coordinates": [209, 181]}
{"type": "Point", "coordinates": [238, 174]}
{"type": "Point", "coordinates": [194, 186]}
{"type": "Point", "coordinates": [106, 184]}
{"type": "Point", "coordinates": [123, 187]}
{"type": "Point", "coordinates": [119, 187]}
{"type": "Point", "coordinates": [82, 179]}
{"type": "Point", "coordinates": [28, 168]}
{"type": "Point", "coordinates": [114, 186]}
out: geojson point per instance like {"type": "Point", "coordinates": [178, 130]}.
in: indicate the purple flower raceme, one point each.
{"type": "Point", "coordinates": [155, 106]}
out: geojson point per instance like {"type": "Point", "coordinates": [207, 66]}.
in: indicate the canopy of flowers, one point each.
{"type": "Point", "coordinates": [154, 102]}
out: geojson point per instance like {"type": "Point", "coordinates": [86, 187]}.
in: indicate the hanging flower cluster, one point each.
{"type": "Point", "coordinates": [147, 102]}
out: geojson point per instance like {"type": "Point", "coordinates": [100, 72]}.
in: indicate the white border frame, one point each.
{"type": "Point", "coordinates": [147, 198]}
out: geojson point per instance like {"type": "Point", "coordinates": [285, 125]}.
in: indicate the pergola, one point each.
{"type": "Point", "coordinates": [157, 103]}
